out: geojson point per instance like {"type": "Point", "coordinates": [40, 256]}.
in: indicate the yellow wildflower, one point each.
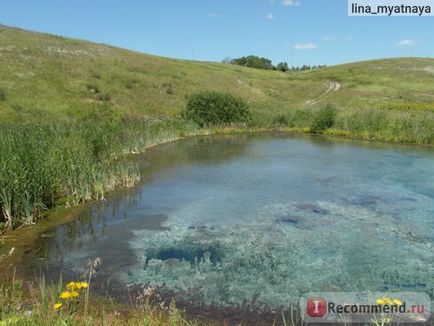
{"type": "Point", "coordinates": [57, 306]}
{"type": "Point", "coordinates": [82, 285]}
{"type": "Point", "coordinates": [74, 294]}
{"type": "Point", "coordinates": [380, 301]}
{"type": "Point", "coordinates": [71, 286]}
{"type": "Point", "coordinates": [397, 302]}
{"type": "Point", "coordinates": [65, 295]}
{"type": "Point", "coordinates": [387, 300]}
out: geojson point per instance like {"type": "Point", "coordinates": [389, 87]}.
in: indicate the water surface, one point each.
{"type": "Point", "coordinates": [262, 219]}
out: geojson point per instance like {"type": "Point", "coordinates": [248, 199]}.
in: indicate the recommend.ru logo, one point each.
{"type": "Point", "coordinates": [393, 307]}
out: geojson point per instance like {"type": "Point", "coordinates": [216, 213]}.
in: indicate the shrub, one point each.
{"type": "Point", "coordinates": [323, 119]}
{"type": "Point", "coordinates": [213, 108]}
{"type": "Point", "coordinates": [281, 121]}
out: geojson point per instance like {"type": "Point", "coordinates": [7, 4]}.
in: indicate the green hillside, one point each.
{"type": "Point", "coordinates": [50, 77]}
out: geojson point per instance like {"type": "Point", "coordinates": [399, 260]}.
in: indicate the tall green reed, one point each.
{"type": "Point", "coordinates": [72, 162]}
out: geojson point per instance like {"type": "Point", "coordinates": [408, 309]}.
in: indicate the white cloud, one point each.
{"type": "Point", "coordinates": [269, 16]}
{"type": "Point", "coordinates": [349, 38]}
{"type": "Point", "coordinates": [305, 46]}
{"type": "Point", "coordinates": [328, 38]}
{"type": "Point", "coordinates": [406, 43]}
{"type": "Point", "coordinates": [290, 2]}
{"type": "Point", "coordinates": [213, 15]}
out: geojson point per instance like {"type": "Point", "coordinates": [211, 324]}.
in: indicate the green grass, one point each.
{"type": "Point", "coordinates": [71, 162]}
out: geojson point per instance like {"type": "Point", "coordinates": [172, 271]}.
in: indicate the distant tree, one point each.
{"type": "Point", "coordinates": [252, 61]}
{"type": "Point", "coordinates": [282, 66]}
{"type": "Point", "coordinates": [227, 60]}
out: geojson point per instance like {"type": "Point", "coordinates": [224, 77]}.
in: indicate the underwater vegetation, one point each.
{"type": "Point", "coordinates": [274, 259]}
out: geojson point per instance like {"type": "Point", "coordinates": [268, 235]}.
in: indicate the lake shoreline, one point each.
{"type": "Point", "coordinates": [52, 223]}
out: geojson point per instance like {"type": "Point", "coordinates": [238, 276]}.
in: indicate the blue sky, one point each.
{"type": "Point", "coordinates": [297, 31]}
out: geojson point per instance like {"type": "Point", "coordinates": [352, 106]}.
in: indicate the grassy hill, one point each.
{"type": "Point", "coordinates": [50, 77]}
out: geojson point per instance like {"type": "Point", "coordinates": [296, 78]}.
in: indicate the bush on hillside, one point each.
{"type": "Point", "coordinates": [214, 108]}
{"type": "Point", "coordinates": [324, 119]}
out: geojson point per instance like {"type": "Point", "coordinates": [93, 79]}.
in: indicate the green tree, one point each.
{"type": "Point", "coordinates": [252, 61]}
{"type": "Point", "coordinates": [282, 66]}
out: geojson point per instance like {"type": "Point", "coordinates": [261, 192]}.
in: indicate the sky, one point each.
{"type": "Point", "coordinates": [296, 31]}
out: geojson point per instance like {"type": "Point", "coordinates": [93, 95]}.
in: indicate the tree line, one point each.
{"type": "Point", "coordinates": [253, 61]}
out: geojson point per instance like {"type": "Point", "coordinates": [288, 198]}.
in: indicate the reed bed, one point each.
{"type": "Point", "coordinates": [42, 165]}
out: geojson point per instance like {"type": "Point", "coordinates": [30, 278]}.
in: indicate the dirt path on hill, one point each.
{"type": "Point", "coordinates": [333, 87]}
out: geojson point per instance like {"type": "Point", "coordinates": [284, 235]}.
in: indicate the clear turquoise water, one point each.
{"type": "Point", "coordinates": [264, 218]}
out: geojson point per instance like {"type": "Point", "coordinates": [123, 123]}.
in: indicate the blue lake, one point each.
{"type": "Point", "coordinates": [262, 218]}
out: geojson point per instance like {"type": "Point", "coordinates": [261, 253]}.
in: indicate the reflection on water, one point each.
{"type": "Point", "coordinates": [264, 218]}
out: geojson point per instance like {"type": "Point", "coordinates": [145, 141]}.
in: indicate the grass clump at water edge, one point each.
{"type": "Point", "coordinates": [42, 165]}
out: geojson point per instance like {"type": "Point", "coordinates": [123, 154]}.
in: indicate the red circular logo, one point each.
{"type": "Point", "coordinates": [316, 307]}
